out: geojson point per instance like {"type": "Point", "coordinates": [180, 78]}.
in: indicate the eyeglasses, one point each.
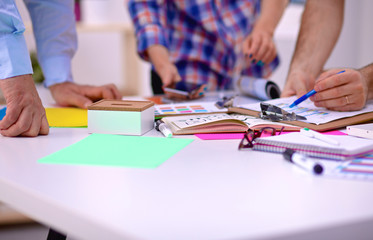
{"type": "Point", "coordinates": [251, 135]}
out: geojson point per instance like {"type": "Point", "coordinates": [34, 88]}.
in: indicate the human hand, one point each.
{"type": "Point", "coordinates": [167, 71]}
{"type": "Point", "coordinates": [25, 114]}
{"type": "Point", "coordinates": [259, 46]}
{"type": "Point", "coordinates": [72, 94]}
{"type": "Point", "coordinates": [298, 83]}
{"type": "Point", "coordinates": [347, 91]}
{"type": "Point", "coordinates": [186, 91]}
{"type": "Point", "coordinates": [168, 74]}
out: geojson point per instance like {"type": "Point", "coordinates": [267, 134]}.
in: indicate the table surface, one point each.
{"type": "Point", "coordinates": [208, 190]}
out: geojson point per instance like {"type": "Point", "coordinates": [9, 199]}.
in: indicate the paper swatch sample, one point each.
{"type": "Point", "coordinates": [186, 109]}
{"type": "Point", "coordinates": [118, 151]}
{"type": "Point", "coordinates": [67, 117]}
{"type": "Point", "coordinates": [356, 169]}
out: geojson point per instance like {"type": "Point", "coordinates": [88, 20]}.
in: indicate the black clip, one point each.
{"type": "Point", "coordinates": [275, 114]}
{"type": "Point", "coordinates": [226, 102]}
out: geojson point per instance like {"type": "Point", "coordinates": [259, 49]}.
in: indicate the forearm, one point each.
{"type": "Point", "coordinates": [146, 20]}
{"type": "Point", "coordinates": [271, 13]}
{"type": "Point", "coordinates": [158, 55]}
{"type": "Point", "coordinates": [367, 73]}
{"type": "Point", "coordinates": [321, 25]}
{"type": "Point", "coordinates": [166, 70]}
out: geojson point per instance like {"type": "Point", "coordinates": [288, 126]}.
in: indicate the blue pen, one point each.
{"type": "Point", "coordinates": [307, 95]}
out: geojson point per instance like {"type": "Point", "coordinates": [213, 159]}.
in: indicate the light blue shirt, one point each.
{"type": "Point", "coordinates": [54, 30]}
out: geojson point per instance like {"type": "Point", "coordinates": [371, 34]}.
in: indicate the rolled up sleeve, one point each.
{"type": "Point", "coordinates": [56, 39]}
{"type": "Point", "coordinates": [14, 55]}
{"type": "Point", "coordinates": [146, 19]}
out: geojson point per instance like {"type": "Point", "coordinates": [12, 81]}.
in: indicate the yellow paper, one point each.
{"type": "Point", "coordinates": [67, 117]}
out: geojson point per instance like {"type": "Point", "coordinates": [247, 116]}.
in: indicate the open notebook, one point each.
{"type": "Point", "coordinates": [220, 122]}
{"type": "Point", "coordinates": [319, 119]}
{"type": "Point", "coordinates": [350, 147]}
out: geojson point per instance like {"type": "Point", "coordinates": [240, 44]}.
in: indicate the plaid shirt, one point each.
{"type": "Point", "coordinates": [203, 36]}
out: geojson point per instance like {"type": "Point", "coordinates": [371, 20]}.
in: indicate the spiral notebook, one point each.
{"type": "Point", "coordinates": [349, 147]}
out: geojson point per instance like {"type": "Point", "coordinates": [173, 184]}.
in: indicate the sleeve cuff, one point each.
{"type": "Point", "coordinates": [56, 70]}
{"type": "Point", "coordinates": [148, 36]}
{"type": "Point", "coordinates": [14, 56]}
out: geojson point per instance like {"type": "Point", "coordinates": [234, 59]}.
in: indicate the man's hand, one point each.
{"type": "Point", "coordinates": [72, 94]}
{"type": "Point", "coordinates": [298, 83]}
{"type": "Point", "coordinates": [25, 114]}
{"type": "Point", "coordinates": [169, 74]}
{"type": "Point", "coordinates": [320, 28]}
{"type": "Point", "coordinates": [347, 91]}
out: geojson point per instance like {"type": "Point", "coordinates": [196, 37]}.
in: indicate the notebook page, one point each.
{"type": "Point", "coordinates": [307, 109]}
{"type": "Point", "coordinates": [196, 120]}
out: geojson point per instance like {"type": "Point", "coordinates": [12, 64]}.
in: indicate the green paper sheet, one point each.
{"type": "Point", "coordinates": [118, 150]}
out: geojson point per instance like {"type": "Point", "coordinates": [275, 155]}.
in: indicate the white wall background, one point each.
{"type": "Point", "coordinates": [354, 47]}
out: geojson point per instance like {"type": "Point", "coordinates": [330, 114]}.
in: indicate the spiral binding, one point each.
{"type": "Point", "coordinates": [312, 151]}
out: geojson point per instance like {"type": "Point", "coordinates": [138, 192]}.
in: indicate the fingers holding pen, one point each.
{"type": "Point", "coordinates": [341, 91]}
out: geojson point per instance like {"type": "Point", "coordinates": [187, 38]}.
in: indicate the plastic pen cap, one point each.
{"type": "Point", "coordinates": [316, 167]}
{"type": "Point", "coordinates": [288, 154]}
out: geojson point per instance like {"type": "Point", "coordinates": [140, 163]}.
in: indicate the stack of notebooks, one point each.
{"type": "Point", "coordinates": [349, 147]}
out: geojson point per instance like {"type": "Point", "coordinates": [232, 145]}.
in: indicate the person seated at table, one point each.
{"type": "Point", "coordinates": [320, 28]}
{"type": "Point", "coordinates": [55, 34]}
{"type": "Point", "coordinates": [201, 41]}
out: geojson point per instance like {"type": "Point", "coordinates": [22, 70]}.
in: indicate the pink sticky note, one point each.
{"type": "Point", "coordinates": [219, 136]}
{"type": "Point", "coordinates": [226, 136]}
{"type": "Point", "coordinates": [222, 136]}
{"type": "Point", "coordinates": [334, 132]}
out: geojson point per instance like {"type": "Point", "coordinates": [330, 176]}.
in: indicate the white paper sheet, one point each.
{"type": "Point", "coordinates": [307, 109]}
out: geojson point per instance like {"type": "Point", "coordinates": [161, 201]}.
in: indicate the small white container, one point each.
{"type": "Point", "coordinates": [121, 117]}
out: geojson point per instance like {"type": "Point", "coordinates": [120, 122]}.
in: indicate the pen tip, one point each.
{"type": "Point", "coordinates": [292, 105]}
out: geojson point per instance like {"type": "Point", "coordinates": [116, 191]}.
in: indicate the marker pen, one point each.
{"type": "Point", "coordinates": [163, 128]}
{"type": "Point", "coordinates": [313, 134]}
{"type": "Point", "coordinates": [303, 161]}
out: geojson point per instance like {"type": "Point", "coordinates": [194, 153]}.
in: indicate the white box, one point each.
{"type": "Point", "coordinates": [121, 117]}
{"type": "Point", "coordinates": [362, 130]}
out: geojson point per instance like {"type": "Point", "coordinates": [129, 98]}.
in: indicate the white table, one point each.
{"type": "Point", "coordinates": [208, 190]}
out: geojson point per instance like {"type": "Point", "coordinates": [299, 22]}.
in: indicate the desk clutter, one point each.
{"type": "Point", "coordinates": [217, 122]}
{"type": "Point", "coordinates": [212, 121]}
